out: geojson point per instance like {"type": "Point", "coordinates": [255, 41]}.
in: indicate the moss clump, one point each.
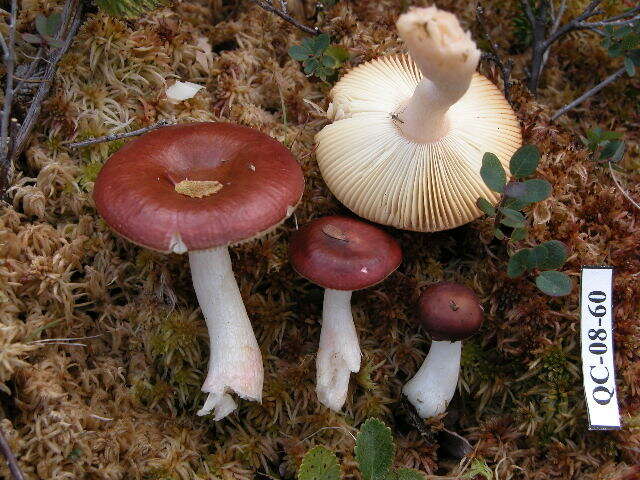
{"type": "Point", "coordinates": [127, 400]}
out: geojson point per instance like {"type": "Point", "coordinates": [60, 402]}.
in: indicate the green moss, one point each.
{"type": "Point", "coordinates": [555, 370]}
{"type": "Point", "coordinates": [89, 173]}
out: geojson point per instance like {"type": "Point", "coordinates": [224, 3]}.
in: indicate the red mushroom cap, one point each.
{"type": "Point", "coordinates": [449, 311]}
{"type": "Point", "coordinates": [235, 183]}
{"type": "Point", "coordinates": [342, 253]}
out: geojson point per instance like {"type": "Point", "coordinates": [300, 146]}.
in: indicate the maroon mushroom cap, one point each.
{"type": "Point", "coordinates": [197, 186]}
{"type": "Point", "coordinates": [449, 311]}
{"type": "Point", "coordinates": [342, 253]}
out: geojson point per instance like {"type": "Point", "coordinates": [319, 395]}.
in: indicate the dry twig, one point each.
{"type": "Point", "coordinates": [12, 461]}
{"type": "Point", "coordinates": [544, 36]}
{"type": "Point", "coordinates": [118, 136]}
{"type": "Point", "coordinates": [13, 142]}
{"type": "Point", "coordinates": [284, 14]}
{"type": "Point", "coordinates": [493, 56]}
{"type": "Point", "coordinates": [589, 93]}
{"type": "Point", "coordinates": [624, 192]}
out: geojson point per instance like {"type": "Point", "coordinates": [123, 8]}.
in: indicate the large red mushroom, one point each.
{"type": "Point", "coordinates": [199, 188]}
{"type": "Point", "coordinates": [341, 254]}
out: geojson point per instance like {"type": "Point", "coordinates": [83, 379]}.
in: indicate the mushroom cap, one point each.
{"type": "Point", "coordinates": [450, 311]}
{"type": "Point", "coordinates": [384, 177]}
{"type": "Point", "coordinates": [235, 182]}
{"type": "Point", "coordinates": [343, 253]}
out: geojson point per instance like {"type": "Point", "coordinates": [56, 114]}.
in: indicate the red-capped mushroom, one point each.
{"type": "Point", "coordinates": [199, 188]}
{"type": "Point", "coordinates": [450, 313]}
{"type": "Point", "coordinates": [341, 255]}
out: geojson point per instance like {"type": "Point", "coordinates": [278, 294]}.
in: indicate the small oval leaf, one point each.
{"type": "Point", "coordinates": [493, 173]}
{"type": "Point", "coordinates": [486, 206]}
{"type": "Point", "coordinates": [518, 263]}
{"type": "Point", "coordinates": [537, 190]}
{"type": "Point", "coordinates": [553, 283]}
{"type": "Point", "coordinates": [525, 161]}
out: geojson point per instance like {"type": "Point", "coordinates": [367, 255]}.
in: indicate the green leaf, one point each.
{"type": "Point", "coordinates": [518, 263]}
{"type": "Point", "coordinates": [310, 66]}
{"type": "Point", "coordinates": [374, 449]}
{"type": "Point", "coordinates": [518, 234]}
{"type": "Point", "coordinates": [319, 463]}
{"type": "Point", "coordinates": [31, 38]}
{"type": "Point", "coordinates": [525, 161]}
{"type": "Point", "coordinates": [328, 61]}
{"type": "Point", "coordinates": [512, 218]}
{"type": "Point", "coordinates": [537, 190]}
{"type": "Point", "coordinates": [515, 189]}
{"type": "Point", "coordinates": [613, 150]}
{"type": "Point", "coordinates": [309, 44]}
{"type": "Point", "coordinates": [53, 24]}
{"type": "Point", "coordinates": [41, 25]}
{"type": "Point", "coordinates": [320, 44]}
{"type": "Point", "coordinates": [556, 255]}
{"type": "Point", "coordinates": [499, 234]}
{"type": "Point", "coordinates": [556, 284]}
{"type": "Point", "coordinates": [323, 72]}
{"type": "Point", "coordinates": [478, 467]}
{"type": "Point", "coordinates": [340, 54]}
{"type": "Point", "coordinates": [512, 214]}
{"type": "Point", "coordinates": [298, 52]}
{"type": "Point", "coordinates": [538, 256]}
{"type": "Point", "coordinates": [486, 206]}
{"type": "Point", "coordinates": [493, 173]}
{"type": "Point", "coordinates": [514, 204]}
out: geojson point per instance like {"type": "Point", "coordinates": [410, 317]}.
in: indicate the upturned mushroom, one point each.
{"type": "Point", "coordinates": [450, 313]}
{"type": "Point", "coordinates": [199, 188]}
{"type": "Point", "coordinates": [409, 132]}
{"type": "Point", "coordinates": [341, 255]}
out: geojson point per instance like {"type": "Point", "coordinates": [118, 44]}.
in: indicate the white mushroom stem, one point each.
{"type": "Point", "coordinates": [339, 351]}
{"type": "Point", "coordinates": [235, 362]}
{"type": "Point", "coordinates": [432, 388]}
{"type": "Point", "coordinates": [447, 57]}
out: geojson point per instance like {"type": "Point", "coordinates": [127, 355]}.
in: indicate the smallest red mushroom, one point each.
{"type": "Point", "coordinates": [449, 312]}
{"type": "Point", "coordinates": [341, 254]}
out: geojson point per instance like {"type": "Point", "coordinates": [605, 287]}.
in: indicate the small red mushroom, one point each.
{"type": "Point", "coordinates": [199, 188]}
{"type": "Point", "coordinates": [450, 313]}
{"type": "Point", "coordinates": [341, 254]}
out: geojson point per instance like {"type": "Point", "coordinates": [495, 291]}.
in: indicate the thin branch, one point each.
{"type": "Point", "coordinates": [31, 70]}
{"type": "Point", "coordinates": [118, 136]}
{"type": "Point", "coordinates": [504, 67]}
{"type": "Point", "coordinates": [12, 461]}
{"type": "Point", "coordinates": [286, 17]}
{"type": "Point", "coordinates": [543, 39]}
{"type": "Point", "coordinates": [9, 60]}
{"type": "Point", "coordinates": [559, 15]}
{"type": "Point", "coordinates": [72, 16]}
{"type": "Point", "coordinates": [624, 192]}
{"type": "Point", "coordinates": [607, 23]}
{"type": "Point", "coordinates": [629, 12]}
{"type": "Point", "coordinates": [589, 93]}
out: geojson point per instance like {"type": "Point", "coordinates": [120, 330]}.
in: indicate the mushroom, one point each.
{"type": "Point", "coordinates": [199, 188]}
{"type": "Point", "coordinates": [450, 313]}
{"type": "Point", "coordinates": [408, 134]}
{"type": "Point", "coordinates": [341, 254]}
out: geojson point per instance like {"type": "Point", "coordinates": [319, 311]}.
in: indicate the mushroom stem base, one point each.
{"type": "Point", "coordinates": [235, 362]}
{"type": "Point", "coordinates": [339, 351]}
{"type": "Point", "coordinates": [432, 388]}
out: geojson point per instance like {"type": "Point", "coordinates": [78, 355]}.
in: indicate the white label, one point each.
{"type": "Point", "coordinates": [597, 348]}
